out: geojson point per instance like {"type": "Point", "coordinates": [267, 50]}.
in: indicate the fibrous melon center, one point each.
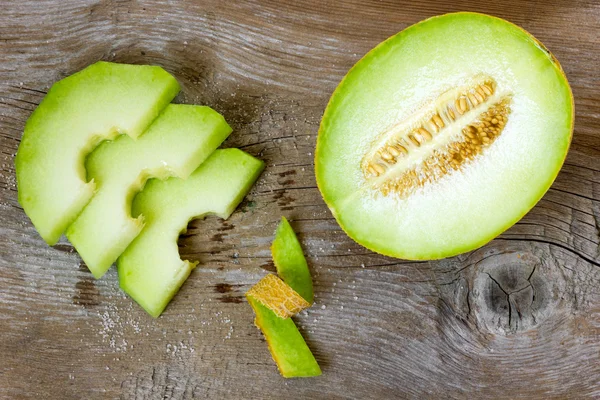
{"type": "Point", "coordinates": [443, 136]}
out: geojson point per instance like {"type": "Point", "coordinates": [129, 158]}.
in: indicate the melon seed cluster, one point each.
{"type": "Point", "coordinates": [474, 138]}
{"type": "Point", "coordinates": [442, 155]}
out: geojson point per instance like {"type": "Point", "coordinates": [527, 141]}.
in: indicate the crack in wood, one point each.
{"type": "Point", "coordinates": [548, 242]}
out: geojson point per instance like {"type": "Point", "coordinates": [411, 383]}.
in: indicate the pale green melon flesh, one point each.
{"type": "Point", "coordinates": [97, 103]}
{"type": "Point", "coordinates": [286, 344]}
{"type": "Point", "coordinates": [176, 143]}
{"type": "Point", "coordinates": [150, 269]}
{"type": "Point", "coordinates": [463, 210]}
{"type": "Point", "coordinates": [290, 262]}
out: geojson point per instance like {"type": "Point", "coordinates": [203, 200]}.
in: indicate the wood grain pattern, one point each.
{"type": "Point", "coordinates": [519, 318]}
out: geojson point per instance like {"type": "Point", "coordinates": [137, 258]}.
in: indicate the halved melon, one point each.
{"type": "Point", "coordinates": [443, 136]}
{"type": "Point", "coordinates": [99, 102]}
{"type": "Point", "coordinates": [150, 269]}
{"type": "Point", "coordinates": [176, 143]}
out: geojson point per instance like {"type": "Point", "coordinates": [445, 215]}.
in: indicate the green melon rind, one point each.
{"type": "Point", "coordinates": [150, 269]}
{"type": "Point", "coordinates": [286, 344]}
{"type": "Point", "coordinates": [290, 262]}
{"type": "Point", "coordinates": [176, 143]}
{"type": "Point", "coordinates": [358, 216]}
{"type": "Point", "coordinates": [78, 112]}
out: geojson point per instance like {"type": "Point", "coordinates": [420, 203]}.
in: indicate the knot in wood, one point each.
{"type": "Point", "coordinates": [512, 292]}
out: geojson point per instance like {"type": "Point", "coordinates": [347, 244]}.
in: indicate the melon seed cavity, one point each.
{"type": "Point", "coordinates": [442, 137]}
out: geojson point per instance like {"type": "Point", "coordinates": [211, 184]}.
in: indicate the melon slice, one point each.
{"type": "Point", "coordinates": [443, 136]}
{"type": "Point", "coordinates": [178, 141]}
{"type": "Point", "coordinates": [99, 102]}
{"type": "Point", "coordinates": [150, 269]}
{"type": "Point", "coordinates": [286, 344]}
{"type": "Point", "coordinates": [290, 262]}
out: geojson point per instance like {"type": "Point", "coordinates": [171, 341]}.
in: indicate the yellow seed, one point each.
{"type": "Point", "coordinates": [494, 121]}
{"type": "Point", "coordinates": [463, 104]}
{"type": "Point", "coordinates": [425, 134]}
{"type": "Point", "coordinates": [479, 90]}
{"type": "Point", "coordinates": [379, 169]}
{"type": "Point", "coordinates": [438, 121]}
{"type": "Point", "coordinates": [372, 170]}
{"type": "Point", "coordinates": [433, 126]}
{"type": "Point", "coordinates": [472, 99]}
{"type": "Point", "coordinates": [486, 89]}
{"type": "Point", "coordinates": [451, 114]}
{"type": "Point", "coordinates": [393, 151]}
{"type": "Point", "coordinates": [414, 140]}
{"type": "Point", "coordinates": [402, 148]}
{"type": "Point", "coordinates": [478, 97]}
{"type": "Point", "coordinates": [386, 155]}
{"type": "Point", "coordinates": [459, 107]}
{"type": "Point", "coordinates": [485, 139]}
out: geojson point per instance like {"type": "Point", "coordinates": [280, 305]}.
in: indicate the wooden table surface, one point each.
{"type": "Point", "coordinates": [518, 318]}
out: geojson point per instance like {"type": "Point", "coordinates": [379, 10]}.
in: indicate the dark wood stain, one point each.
{"type": "Point", "coordinates": [226, 227]}
{"type": "Point", "coordinates": [232, 299]}
{"type": "Point", "coordinates": [269, 266]}
{"type": "Point", "coordinates": [227, 289]}
{"type": "Point", "coordinates": [223, 288]}
{"type": "Point", "coordinates": [67, 248]}
{"type": "Point", "coordinates": [86, 292]}
{"type": "Point", "coordinates": [282, 198]}
{"type": "Point", "coordinates": [287, 173]}
{"type": "Point", "coordinates": [519, 318]}
{"type": "Point", "coordinates": [217, 237]}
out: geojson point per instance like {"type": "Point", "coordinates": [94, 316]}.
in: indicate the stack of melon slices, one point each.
{"type": "Point", "coordinates": [93, 198]}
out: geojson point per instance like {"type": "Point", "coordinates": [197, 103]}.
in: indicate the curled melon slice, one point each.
{"type": "Point", "coordinates": [286, 344]}
{"type": "Point", "coordinates": [443, 136]}
{"type": "Point", "coordinates": [176, 143]}
{"type": "Point", "coordinates": [150, 269]}
{"type": "Point", "coordinates": [99, 102]}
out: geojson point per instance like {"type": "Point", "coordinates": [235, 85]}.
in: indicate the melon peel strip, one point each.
{"type": "Point", "coordinates": [278, 296]}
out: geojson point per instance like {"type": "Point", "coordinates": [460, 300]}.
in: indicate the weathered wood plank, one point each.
{"type": "Point", "coordinates": [519, 318]}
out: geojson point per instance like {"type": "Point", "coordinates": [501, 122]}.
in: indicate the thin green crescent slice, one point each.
{"type": "Point", "coordinates": [176, 143]}
{"type": "Point", "coordinates": [150, 269]}
{"type": "Point", "coordinates": [97, 103]}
